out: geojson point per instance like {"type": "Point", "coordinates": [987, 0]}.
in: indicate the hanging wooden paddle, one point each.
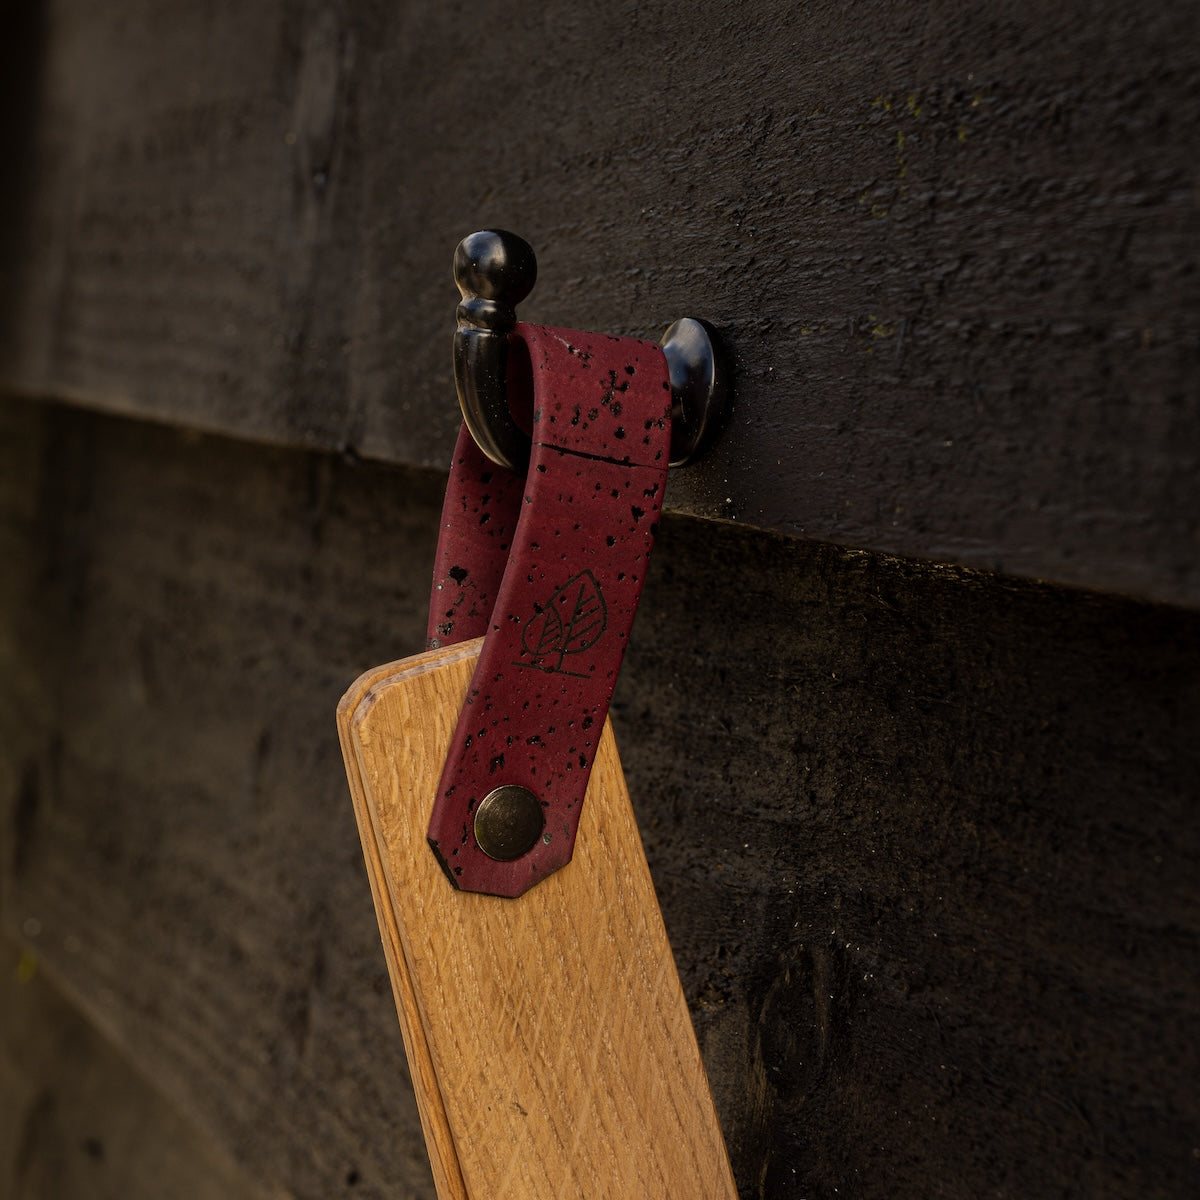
{"type": "Point", "coordinates": [547, 1033]}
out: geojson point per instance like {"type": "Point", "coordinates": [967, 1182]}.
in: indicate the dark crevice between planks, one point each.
{"type": "Point", "coordinates": [22, 61]}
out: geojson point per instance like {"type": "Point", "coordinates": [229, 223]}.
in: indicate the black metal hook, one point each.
{"type": "Point", "coordinates": [495, 271]}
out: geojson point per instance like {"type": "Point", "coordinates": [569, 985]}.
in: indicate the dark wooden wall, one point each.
{"type": "Point", "coordinates": [954, 248]}
{"type": "Point", "coordinates": [926, 839]}
{"type": "Point", "coordinates": [924, 828]}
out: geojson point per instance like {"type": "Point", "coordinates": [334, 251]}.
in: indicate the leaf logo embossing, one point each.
{"type": "Point", "coordinates": [571, 621]}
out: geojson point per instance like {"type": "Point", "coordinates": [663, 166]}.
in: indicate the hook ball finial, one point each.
{"type": "Point", "coordinates": [494, 271]}
{"type": "Point", "coordinates": [495, 265]}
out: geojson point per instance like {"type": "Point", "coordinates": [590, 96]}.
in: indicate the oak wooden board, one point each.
{"type": "Point", "coordinates": [551, 1030]}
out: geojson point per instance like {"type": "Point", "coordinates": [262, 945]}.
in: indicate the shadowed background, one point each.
{"type": "Point", "coordinates": [911, 710]}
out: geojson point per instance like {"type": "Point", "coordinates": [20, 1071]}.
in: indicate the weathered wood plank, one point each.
{"type": "Point", "coordinates": [925, 839]}
{"type": "Point", "coordinates": [954, 250]}
{"type": "Point", "coordinates": [76, 1119]}
{"type": "Point", "coordinates": [178, 813]}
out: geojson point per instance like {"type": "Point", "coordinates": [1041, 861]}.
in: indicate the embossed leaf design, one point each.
{"type": "Point", "coordinates": [543, 632]}
{"type": "Point", "coordinates": [572, 621]}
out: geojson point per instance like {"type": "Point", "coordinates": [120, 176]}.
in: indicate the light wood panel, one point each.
{"type": "Point", "coordinates": [549, 1033]}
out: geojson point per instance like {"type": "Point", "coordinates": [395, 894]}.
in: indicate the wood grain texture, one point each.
{"type": "Point", "coordinates": [554, 1025]}
{"type": "Point", "coordinates": [435, 1123]}
{"type": "Point", "coordinates": [188, 853]}
{"type": "Point", "coordinates": [925, 839]}
{"type": "Point", "coordinates": [954, 250]}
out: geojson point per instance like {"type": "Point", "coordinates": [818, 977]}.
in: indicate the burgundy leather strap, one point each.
{"type": "Point", "coordinates": [540, 693]}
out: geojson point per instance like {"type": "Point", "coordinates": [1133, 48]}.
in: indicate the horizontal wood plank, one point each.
{"type": "Point", "coordinates": [953, 251]}
{"type": "Point", "coordinates": [77, 1119]}
{"type": "Point", "coordinates": [924, 838]}
{"type": "Point", "coordinates": [178, 829]}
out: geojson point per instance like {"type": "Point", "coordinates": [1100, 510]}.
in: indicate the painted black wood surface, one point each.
{"type": "Point", "coordinates": [925, 838]}
{"type": "Point", "coordinates": [953, 248]}
{"type": "Point", "coordinates": [77, 1118]}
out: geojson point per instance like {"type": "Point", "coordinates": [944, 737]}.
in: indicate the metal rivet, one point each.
{"type": "Point", "coordinates": [508, 822]}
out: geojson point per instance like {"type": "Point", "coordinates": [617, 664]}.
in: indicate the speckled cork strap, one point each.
{"type": "Point", "coordinates": [540, 693]}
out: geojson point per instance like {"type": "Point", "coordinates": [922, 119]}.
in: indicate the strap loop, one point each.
{"type": "Point", "coordinates": [541, 690]}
